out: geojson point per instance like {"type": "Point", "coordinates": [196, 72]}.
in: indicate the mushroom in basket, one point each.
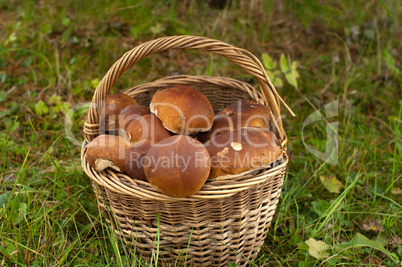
{"type": "Point", "coordinates": [114, 104]}
{"type": "Point", "coordinates": [241, 150]}
{"type": "Point", "coordinates": [183, 110]}
{"type": "Point", "coordinates": [107, 151]}
{"type": "Point", "coordinates": [177, 166]}
{"type": "Point", "coordinates": [243, 113]}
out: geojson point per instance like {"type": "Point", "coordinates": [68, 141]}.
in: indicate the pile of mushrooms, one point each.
{"type": "Point", "coordinates": [178, 143]}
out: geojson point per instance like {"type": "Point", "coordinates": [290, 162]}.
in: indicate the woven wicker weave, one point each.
{"type": "Point", "coordinates": [227, 220]}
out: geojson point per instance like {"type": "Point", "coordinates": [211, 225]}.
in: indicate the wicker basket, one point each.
{"type": "Point", "coordinates": [227, 220]}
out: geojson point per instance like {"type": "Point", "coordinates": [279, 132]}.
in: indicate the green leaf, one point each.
{"type": "Point", "coordinates": [390, 62]}
{"type": "Point", "coordinates": [55, 99]}
{"type": "Point", "coordinates": [94, 83]}
{"type": "Point", "coordinates": [46, 29]}
{"type": "Point", "coordinates": [291, 77]}
{"type": "Point", "coordinates": [268, 62]}
{"type": "Point", "coordinates": [65, 21]}
{"type": "Point", "coordinates": [284, 64]}
{"type": "Point", "coordinates": [270, 74]}
{"type": "Point", "coordinates": [320, 206]}
{"type": "Point", "coordinates": [332, 184]}
{"type": "Point", "coordinates": [294, 66]}
{"type": "Point", "coordinates": [61, 195]}
{"type": "Point", "coordinates": [4, 199]}
{"type": "Point", "coordinates": [277, 82]}
{"type": "Point", "coordinates": [63, 107]}
{"type": "Point", "coordinates": [8, 249]}
{"type": "Point", "coordinates": [3, 96]}
{"type": "Point", "coordinates": [66, 35]}
{"type": "Point", "coordinates": [41, 108]}
{"type": "Point", "coordinates": [307, 264]}
{"type": "Point", "coordinates": [134, 31]}
{"type": "Point", "coordinates": [317, 249]}
{"type": "Point", "coordinates": [18, 215]}
{"type": "Point", "coordinates": [290, 70]}
{"type": "Point", "coordinates": [360, 240]}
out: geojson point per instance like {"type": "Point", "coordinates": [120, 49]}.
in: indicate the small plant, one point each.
{"type": "Point", "coordinates": [288, 70]}
{"type": "Point", "coordinates": [319, 249]}
{"type": "Point", "coordinates": [53, 106]}
{"type": "Point", "coordinates": [390, 62]}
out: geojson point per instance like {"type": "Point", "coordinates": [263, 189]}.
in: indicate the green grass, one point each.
{"type": "Point", "coordinates": [53, 54]}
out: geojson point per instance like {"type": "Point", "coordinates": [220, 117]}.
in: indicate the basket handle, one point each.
{"type": "Point", "coordinates": [241, 57]}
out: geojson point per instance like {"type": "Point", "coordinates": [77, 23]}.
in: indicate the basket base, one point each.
{"type": "Point", "coordinates": [233, 231]}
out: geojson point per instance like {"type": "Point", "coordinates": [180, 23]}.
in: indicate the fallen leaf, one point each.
{"type": "Point", "coordinates": [9, 178]}
{"type": "Point", "coordinates": [317, 249]}
{"type": "Point", "coordinates": [332, 184]}
{"type": "Point", "coordinates": [396, 191]}
{"type": "Point", "coordinates": [395, 241]}
{"type": "Point", "coordinates": [372, 225]}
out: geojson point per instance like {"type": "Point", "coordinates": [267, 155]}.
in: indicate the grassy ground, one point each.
{"type": "Point", "coordinates": [53, 54]}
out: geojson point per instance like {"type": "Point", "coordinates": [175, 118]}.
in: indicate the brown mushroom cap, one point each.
{"type": "Point", "coordinates": [134, 160]}
{"type": "Point", "coordinates": [107, 151]}
{"type": "Point", "coordinates": [114, 104]}
{"type": "Point", "coordinates": [177, 166]}
{"type": "Point", "coordinates": [146, 127]}
{"type": "Point", "coordinates": [243, 149]}
{"type": "Point", "coordinates": [130, 113]}
{"type": "Point", "coordinates": [183, 110]}
{"type": "Point", "coordinates": [243, 113]}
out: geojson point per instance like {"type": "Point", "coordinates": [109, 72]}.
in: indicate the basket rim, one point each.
{"type": "Point", "coordinates": [241, 57]}
{"type": "Point", "coordinates": [212, 189]}
{"type": "Point", "coordinates": [93, 129]}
